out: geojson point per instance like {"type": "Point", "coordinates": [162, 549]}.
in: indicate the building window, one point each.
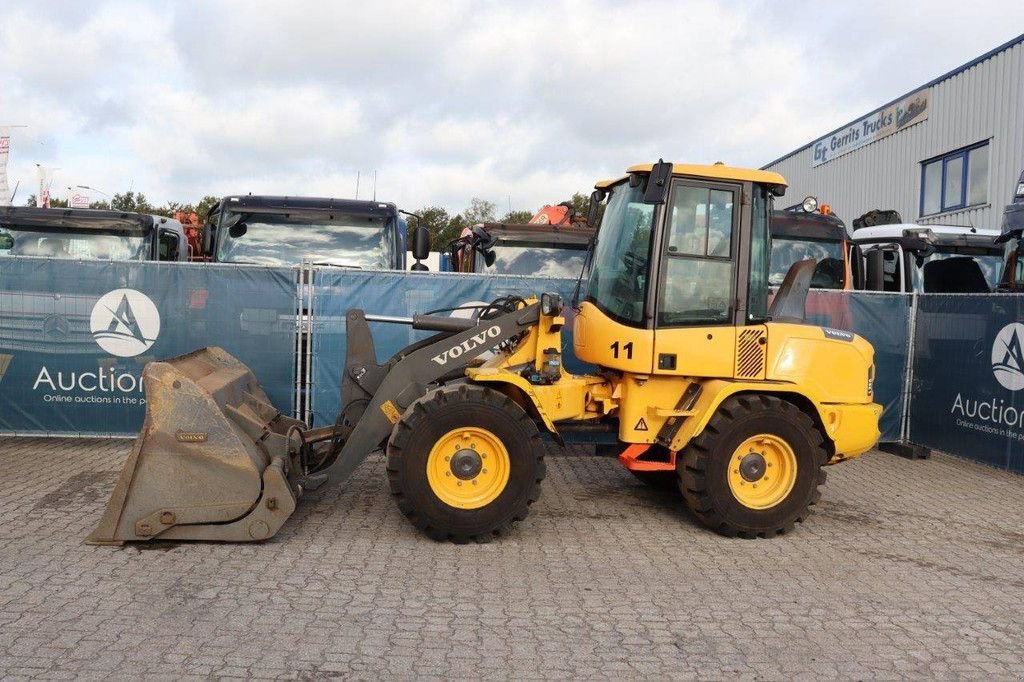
{"type": "Point", "coordinates": [955, 180]}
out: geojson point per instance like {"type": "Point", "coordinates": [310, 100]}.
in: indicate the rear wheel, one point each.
{"type": "Point", "coordinates": [756, 468]}
{"type": "Point", "coordinates": [464, 463]}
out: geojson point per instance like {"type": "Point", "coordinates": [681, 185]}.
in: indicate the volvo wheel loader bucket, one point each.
{"type": "Point", "coordinates": [211, 462]}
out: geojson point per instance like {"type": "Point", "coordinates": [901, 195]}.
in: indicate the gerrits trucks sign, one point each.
{"type": "Point", "coordinates": [910, 110]}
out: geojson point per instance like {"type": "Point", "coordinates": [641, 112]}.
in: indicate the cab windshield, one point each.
{"type": "Point", "coordinates": [538, 259]}
{"type": "Point", "coordinates": [277, 239]}
{"type": "Point", "coordinates": [830, 271]}
{"type": "Point", "coordinates": [76, 244]}
{"type": "Point", "coordinates": [989, 263]}
{"type": "Point", "coordinates": [618, 276]}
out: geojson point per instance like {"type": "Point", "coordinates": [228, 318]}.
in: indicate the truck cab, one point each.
{"type": "Point", "coordinates": [933, 259]}
{"type": "Point", "coordinates": [287, 231]}
{"type": "Point", "coordinates": [538, 249]}
{"type": "Point", "coordinates": [1012, 277]}
{"type": "Point", "coordinates": [88, 234]}
{"type": "Point", "coordinates": [805, 231]}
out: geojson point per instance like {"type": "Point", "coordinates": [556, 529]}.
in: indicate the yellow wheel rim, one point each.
{"type": "Point", "coordinates": [762, 471]}
{"type": "Point", "coordinates": [468, 467]}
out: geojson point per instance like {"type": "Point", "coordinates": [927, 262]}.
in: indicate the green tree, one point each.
{"type": "Point", "coordinates": [436, 220]}
{"type": "Point", "coordinates": [580, 203]}
{"type": "Point", "coordinates": [205, 205]}
{"type": "Point", "coordinates": [54, 201]}
{"type": "Point", "coordinates": [517, 217]}
{"type": "Point", "coordinates": [455, 227]}
{"type": "Point", "coordinates": [131, 202]}
{"type": "Point", "coordinates": [102, 205]}
{"type": "Point", "coordinates": [170, 208]}
{"type": "Point", "coordinates": [479, 211]}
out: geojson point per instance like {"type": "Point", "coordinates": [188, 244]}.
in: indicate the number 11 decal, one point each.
{"type": "Point", "coordinates": [627, 350]}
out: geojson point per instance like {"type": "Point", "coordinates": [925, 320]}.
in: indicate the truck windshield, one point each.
{"type": "Point", "coordinates": [830, 272]}
{"type": "Point", "coordinates": [618, 276]}
{"type": "Point", "coordinates": [539, 260]}
{"type": "Point", "coordinates": [990, 262]}
{"type": "Point", "coordinates": [76, 244]}
{"type": "Point", "coordinates": [329, 239]}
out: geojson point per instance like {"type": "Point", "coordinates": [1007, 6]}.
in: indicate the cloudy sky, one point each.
{"type": "Point", "coordinates": [515, 102]}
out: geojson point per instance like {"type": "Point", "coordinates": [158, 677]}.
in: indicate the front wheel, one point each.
{"type": "Point", "coordinates": [465, 463]}
{"type": "Point", "coordinates": [755, 469]}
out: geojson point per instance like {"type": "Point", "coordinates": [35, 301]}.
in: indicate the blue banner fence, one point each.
{"type": "Point", "coordinates": [75, 335]}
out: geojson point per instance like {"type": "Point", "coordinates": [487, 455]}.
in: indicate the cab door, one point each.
{"type": "Point", "coordinates": [696, 293]}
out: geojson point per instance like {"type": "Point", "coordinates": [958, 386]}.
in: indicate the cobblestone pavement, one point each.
{"type": "Point", "coordinates": [909, 568]}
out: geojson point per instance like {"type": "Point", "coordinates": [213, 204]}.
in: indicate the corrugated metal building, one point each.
{"type": "Point", "coordinates": [948, 152]}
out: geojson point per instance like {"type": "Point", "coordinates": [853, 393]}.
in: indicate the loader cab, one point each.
{"type": "Point", "coordinates": [682, 251]}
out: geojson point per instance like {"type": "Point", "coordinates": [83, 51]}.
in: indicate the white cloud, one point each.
{"type": "Point", "coordinates": [528, 100]}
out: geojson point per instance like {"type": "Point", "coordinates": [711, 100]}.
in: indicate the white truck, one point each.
{"type": "Point", "coordinates": [934, 259]}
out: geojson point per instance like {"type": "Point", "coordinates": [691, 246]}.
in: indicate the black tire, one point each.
{"type": "Point", "coordinates": [703, 467]}
{"type": "Point", "coordinates": [428, 420]}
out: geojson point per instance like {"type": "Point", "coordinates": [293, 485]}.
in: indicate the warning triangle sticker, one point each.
{"type": "Point", "coordinates": [640, 425]}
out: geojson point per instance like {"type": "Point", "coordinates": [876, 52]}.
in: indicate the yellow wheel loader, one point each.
{"type": "Point", "coordinates": [739, 404]}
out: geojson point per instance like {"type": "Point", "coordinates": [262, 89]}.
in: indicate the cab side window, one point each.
{"type": "Point", "coordinates": [169, 245]}
{"type": "Point", "coordinates": [891, 271]}
{"type": "Point", "coordinates": [698, 282]}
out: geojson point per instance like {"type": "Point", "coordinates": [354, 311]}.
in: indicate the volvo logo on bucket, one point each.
{"type": "Point", "coordinates": [1008, 358]}
{"type": "Point", "coordinates": [125, 322]}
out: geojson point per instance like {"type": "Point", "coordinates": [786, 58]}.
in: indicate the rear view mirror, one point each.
{"type": "Point", "coordinates": [420, 243]}
{"type": "Point", "coordinates": [238, 230]}
{"type": "Point", "coordinates": [875, 270]}
{"type": "Point", "coordinates": [657, 184]}
{"type": "Point", "coordinates": [857, 267]}
{"type": "Point", "coordinates": [596, 197]}
{"type": "Point", "coordinates": [6, 241]}
{"type": "Point", "coordinates": [489, 257]}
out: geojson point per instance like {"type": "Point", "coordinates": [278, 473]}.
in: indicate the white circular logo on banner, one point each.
{"type": "Point", "coordinates": [125, 322]}
{"type": "Point", "coordinates": [1008, 358]}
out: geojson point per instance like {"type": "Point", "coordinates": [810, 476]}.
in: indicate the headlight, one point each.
{"type": "Point", "coordinates": [550, 304]}
{"type": "Point", "coordinates": [810, 204]}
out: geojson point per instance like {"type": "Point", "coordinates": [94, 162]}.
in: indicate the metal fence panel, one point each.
{"type": "Point", "coordinates": [402, 294]}
{"type": "Point", "coordinates": [884, 320]}
{"type": "Point", "coordinates": [75, 335]}
{"type": "Point", "coordinates": [968, 375]}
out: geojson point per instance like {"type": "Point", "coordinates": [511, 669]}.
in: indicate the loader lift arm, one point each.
{"type": "Point", "coordinates": [387, 390]}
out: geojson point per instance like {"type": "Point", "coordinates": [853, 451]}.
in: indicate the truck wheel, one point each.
{"type": "Point", "coordinates": [756, 468]}
{"type": "Point", "coordinates": [465, 463]}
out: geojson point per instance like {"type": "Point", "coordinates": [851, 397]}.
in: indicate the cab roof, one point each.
{"type": "Point", "coordinates": [939, 235]}
{"type": "Point", "coordinates": [58, 219]}
{"type": "Point", "coordinates": [718, 171]}
{"type": "Point", "coordinates": [283, 204]}
{"type": "Point", "coordinates": [807, 225]}
{"type": "Point", "coordinates": [533, 233]}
